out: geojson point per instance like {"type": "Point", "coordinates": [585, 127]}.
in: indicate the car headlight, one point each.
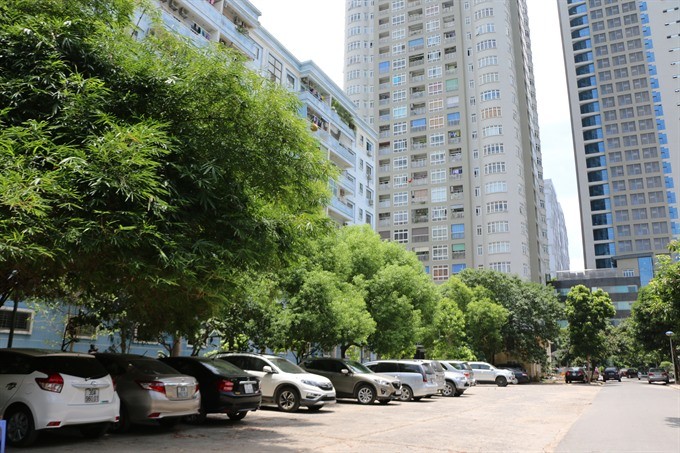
{"type": "Point", "coordinates": [382, 382]}
{"type": "Point", "coordinates": [312, 383]}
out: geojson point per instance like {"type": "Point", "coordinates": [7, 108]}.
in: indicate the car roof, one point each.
{"type": "Point", "coordinates": [115, 355]}
{"type": "Point", "coordinates": [252, 354]}
{"type": "Point", "coordinates": [36, 352]}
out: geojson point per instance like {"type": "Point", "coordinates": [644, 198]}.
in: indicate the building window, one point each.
{"type": "Point", "coordinates": [440, 273]}
{"type": "Point", "coordinates": [401, 217]}
{"type": "Point", "coordinates": [502, 226]}
{"type": "Point", "coordinates": [400, 199]}
{"type": "Point", "coordinates": [23, 322]}
{"type": "Point", "coordinates": [438, 213]}
{"type": "Point", "coordinates": [401, 236]}
{"type": "Point", "coordinates": [274, 69]}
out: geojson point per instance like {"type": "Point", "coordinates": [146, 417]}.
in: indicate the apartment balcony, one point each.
{"type": "Point", "coordinates": [419, 182]}
{"type": "Point", "coordinates": [414, 3]}
{"type": "Point", "coordinates": [415, 17]}
{"type": "Point", "coordinates": [419, 78]}
{"type": "Point", "coordinates": [420, 219]}
{"type": "Point", "coordinates": [422, 257]}
{"type": "Point", "coordinates": [457, 215]}
{"type": "Point", "coordinates": [385, 204]}
{"type": "Point", "coordinates": [456, 196]}
{"type": "Point", "coordinates": [227, 28]}
{"type": "Point", "coordinates": [384, 151]}
{"type": "Point", "coordinates": [384, 168]}
{"type": "Point", "coordinates": [419, 163]}
{"type": "Point", "coordinates": [418, 128]}
{"type": "Point", "coordinates": [385, 222]}
{"type": "Point", "coordinates": [347, 181]}
{"type": "Point", "coordinates": [417, 94]}
{"type": "Point", "coordinates": [383, 187]}
{"type": "Point", "coordinates": [325, 109]}
{"type": "Point", "coordinates": [419, 145]}
{"type": "Point", "coordinates": [420, 238]}
{"type": "Point", "coordinates": [384, 134]}
{"type": "Point", "coordinates": [419, 200]}
{"type": "Point", "coordinates": [342, 208]}
{"type": "Point", "coordinates": [418, 111]}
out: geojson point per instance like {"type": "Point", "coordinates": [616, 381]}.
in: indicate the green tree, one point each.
{"type": "Point", "coordinates": [651, 318]}
{"type": "Point", "coordinates": [151, 172]}
{"type": "Point", "coordinates": [485, 321]}
{"type": "Point", "coordinates": [588, 314]}
{"type": "Point", "coordinates": [533, 311]}
{"type": "Point", "coordinates": [446, 338]}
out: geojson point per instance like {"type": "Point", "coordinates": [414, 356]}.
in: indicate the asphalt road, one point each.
{"type": "Point", "coordinates": [526, 418]}
{"type": "Point", "coordinates": [628, 416]}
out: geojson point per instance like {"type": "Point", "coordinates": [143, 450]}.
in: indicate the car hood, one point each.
{"type": "Point", "coordinates": [382, 376]}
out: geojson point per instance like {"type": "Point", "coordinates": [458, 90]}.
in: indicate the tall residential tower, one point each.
{"type": "Point", "coordinates": [450, 91]}
{"type": "Point", "coordinates": [622, 62]}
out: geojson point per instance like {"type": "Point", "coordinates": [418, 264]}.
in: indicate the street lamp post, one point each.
{"type": "Point", "coordinates": [670, 334]}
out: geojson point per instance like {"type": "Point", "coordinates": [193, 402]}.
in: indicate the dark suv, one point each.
{"type": "Point", "coordinates": [611, 374]}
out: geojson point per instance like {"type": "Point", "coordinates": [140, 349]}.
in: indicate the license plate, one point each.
{"type": "Point", "coordinates": [182, 392]}
{"type": "Point", "coordinates": [91, 395]}
{"type": "Point", "coordinates": [248, 388]}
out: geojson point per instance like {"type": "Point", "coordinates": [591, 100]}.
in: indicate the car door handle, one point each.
{"type": "Point", "coordinates": [10, 385]}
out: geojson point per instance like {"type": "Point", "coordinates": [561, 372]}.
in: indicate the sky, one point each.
{"type": "Point", "coordinates": [314, 30]}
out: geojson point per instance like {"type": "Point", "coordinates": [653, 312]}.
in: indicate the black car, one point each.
{"type": "Point", "coordinates": [521, 375]}
{"type": "Point", "coordinates": [225, 388]}
{"type": "Point", "coordinates": [611, 374]}
{"type": "Point", "coordinates": [575, 373]}
{"type": "Point", "coordinates": [631, 373]}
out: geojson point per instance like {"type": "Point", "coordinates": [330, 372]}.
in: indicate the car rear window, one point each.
{"type": "Point", "coordinates": [222, 367]}
{"type": "Point", "coordinates": [428, 368]}
{"type": "Point", "coordinates": [437, 367]}
{"type": "Point", "coordinates": [153, 367]}
{"type": "Point", "coordinates": [83, 367]}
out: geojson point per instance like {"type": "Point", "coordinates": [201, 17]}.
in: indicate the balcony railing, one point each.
{"type": "Point", "coordinates": [419, 182]}
{"type": "Point", "coordinates": [342, 207]}
{"type": "Point", "coordinates": [419, 163]}
{"type": "Point", "coordinates": [420, 238]}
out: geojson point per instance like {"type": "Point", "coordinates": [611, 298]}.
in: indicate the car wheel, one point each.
{"type": "Point", "coordinates": [169, 422]}
{"type": "Point", "coordinates": [237, 415]}
{"type": "Point", "coordinates": [501, 381]}
{"type": "Point", "coordinates": [383, 402]}
{"type": "Point", "coordinates": [649, 382]}
{"type": "Point", "coordinates": [288, 399]}
{"type": "Point", "coordinates": [20, 427]}
{"type": "Point", "coordinates": [365, 394]}
{"type": "Point", "coordinates": [449, 389]}
{"type": "Point", "coordinates": [123, 424]}
{"type": "Point", "coordinates": [406, 393]}
{"type": "Point", "coordinates": [94, 431]}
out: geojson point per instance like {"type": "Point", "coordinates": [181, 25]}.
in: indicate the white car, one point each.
{"type": "Point", "coordinates": [486, 373]}
{"type": "Point", "coordinates": [47, 390]}
{"type": "Point", "coordinates": [283, 383]}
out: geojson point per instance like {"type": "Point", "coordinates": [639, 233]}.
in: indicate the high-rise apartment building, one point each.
{"type": "Point", "coordinates": [622, 62]}
{"type": "Point", "coordinates": [558, 241]}
{"type": "Point", "coordinates": [450, 91]}
{"type": "Point", "coordinates": [348, 140]}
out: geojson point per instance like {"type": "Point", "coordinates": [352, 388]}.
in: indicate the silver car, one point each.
{"type": "Point", "coordinates": [463, 367]}
{"type": "Point", "coordinates": [351, 379]}
{"type": "Point", "coordinates": [487, 373]}
{"type": "Point", "coordinates": [150, 391]}
{"type": "Point", "coordinates": [658, 375]}
{"type": "Point", "coordinates": [417, 378]}
{"type": "Point", "coordinates": [456, 383]}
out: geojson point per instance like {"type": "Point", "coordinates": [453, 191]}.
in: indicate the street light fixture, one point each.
{"type": "Point", "coordinates": [670, 334]}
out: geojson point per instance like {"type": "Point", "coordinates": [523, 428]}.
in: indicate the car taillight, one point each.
{"type": "Point", "coordinates": [153, 386]}
{"type": "Point", "coordinates": [196, 389]}
{"type": "Point", "coordinates": [52, 383]}
{"type": "Point", "coordinates": [224, 385]}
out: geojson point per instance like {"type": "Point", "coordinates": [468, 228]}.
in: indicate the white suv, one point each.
{"type": "Point", "coordinates": [489, 374]}
{"type": "Point", "coordinates": [46, 390]}
{"type": "Point", "coordinates": [283, 383]}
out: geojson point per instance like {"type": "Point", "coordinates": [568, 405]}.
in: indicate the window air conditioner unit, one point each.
{"type": "Point", "coordinates": [183, 12]}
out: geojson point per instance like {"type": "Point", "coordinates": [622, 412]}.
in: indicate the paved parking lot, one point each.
{"type": "Point", "coordinates": [487, 418]}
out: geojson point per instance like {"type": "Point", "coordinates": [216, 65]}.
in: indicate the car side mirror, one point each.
{"type": "Point", "coordinates": [267, 369]}
{"type": "Point", "coordinates": [345, 371]}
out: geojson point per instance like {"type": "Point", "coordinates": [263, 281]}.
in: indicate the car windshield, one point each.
{"type": "Point", "coordinates": [286, 365]}
{"type": "Point", "coordinates": [152, 367]}
{"type": "Point", "coordinates": [357, 368]}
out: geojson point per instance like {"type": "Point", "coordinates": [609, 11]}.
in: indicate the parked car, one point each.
{"type": "Point", "coordinates": [456, 381]}
{"type": "Point", "coordinates": [283, 383]}
{"type": "Point", "coordinates": [439, 374]}
{"type": "Point", "coordinates": [50, 389]}
{"type": "Point", "coordinates": [465, 367]}
{"type": "Point", "coordinates": [631, 373]}
{"type": "Point", "coordinates": [521, 375]}
{"type": "Point", "coordinates": [225, 389]}
{"type": "Point", "coordinates": [417, 378]}
{"type": "Point", "coordinates": [642, 374]}
{"type": "Point", "coordinates": [611, 374]}
{"type": "Point", "coordinates": [576, 373]}
{"type": "Point", "coordinates": [353, 380]}
{"type": "Point", "coordinates": [487, 373]}
{"type": "Point", "coordinates": [657, 375]}
{"type": "Point", "coordinates": [149, 390]}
